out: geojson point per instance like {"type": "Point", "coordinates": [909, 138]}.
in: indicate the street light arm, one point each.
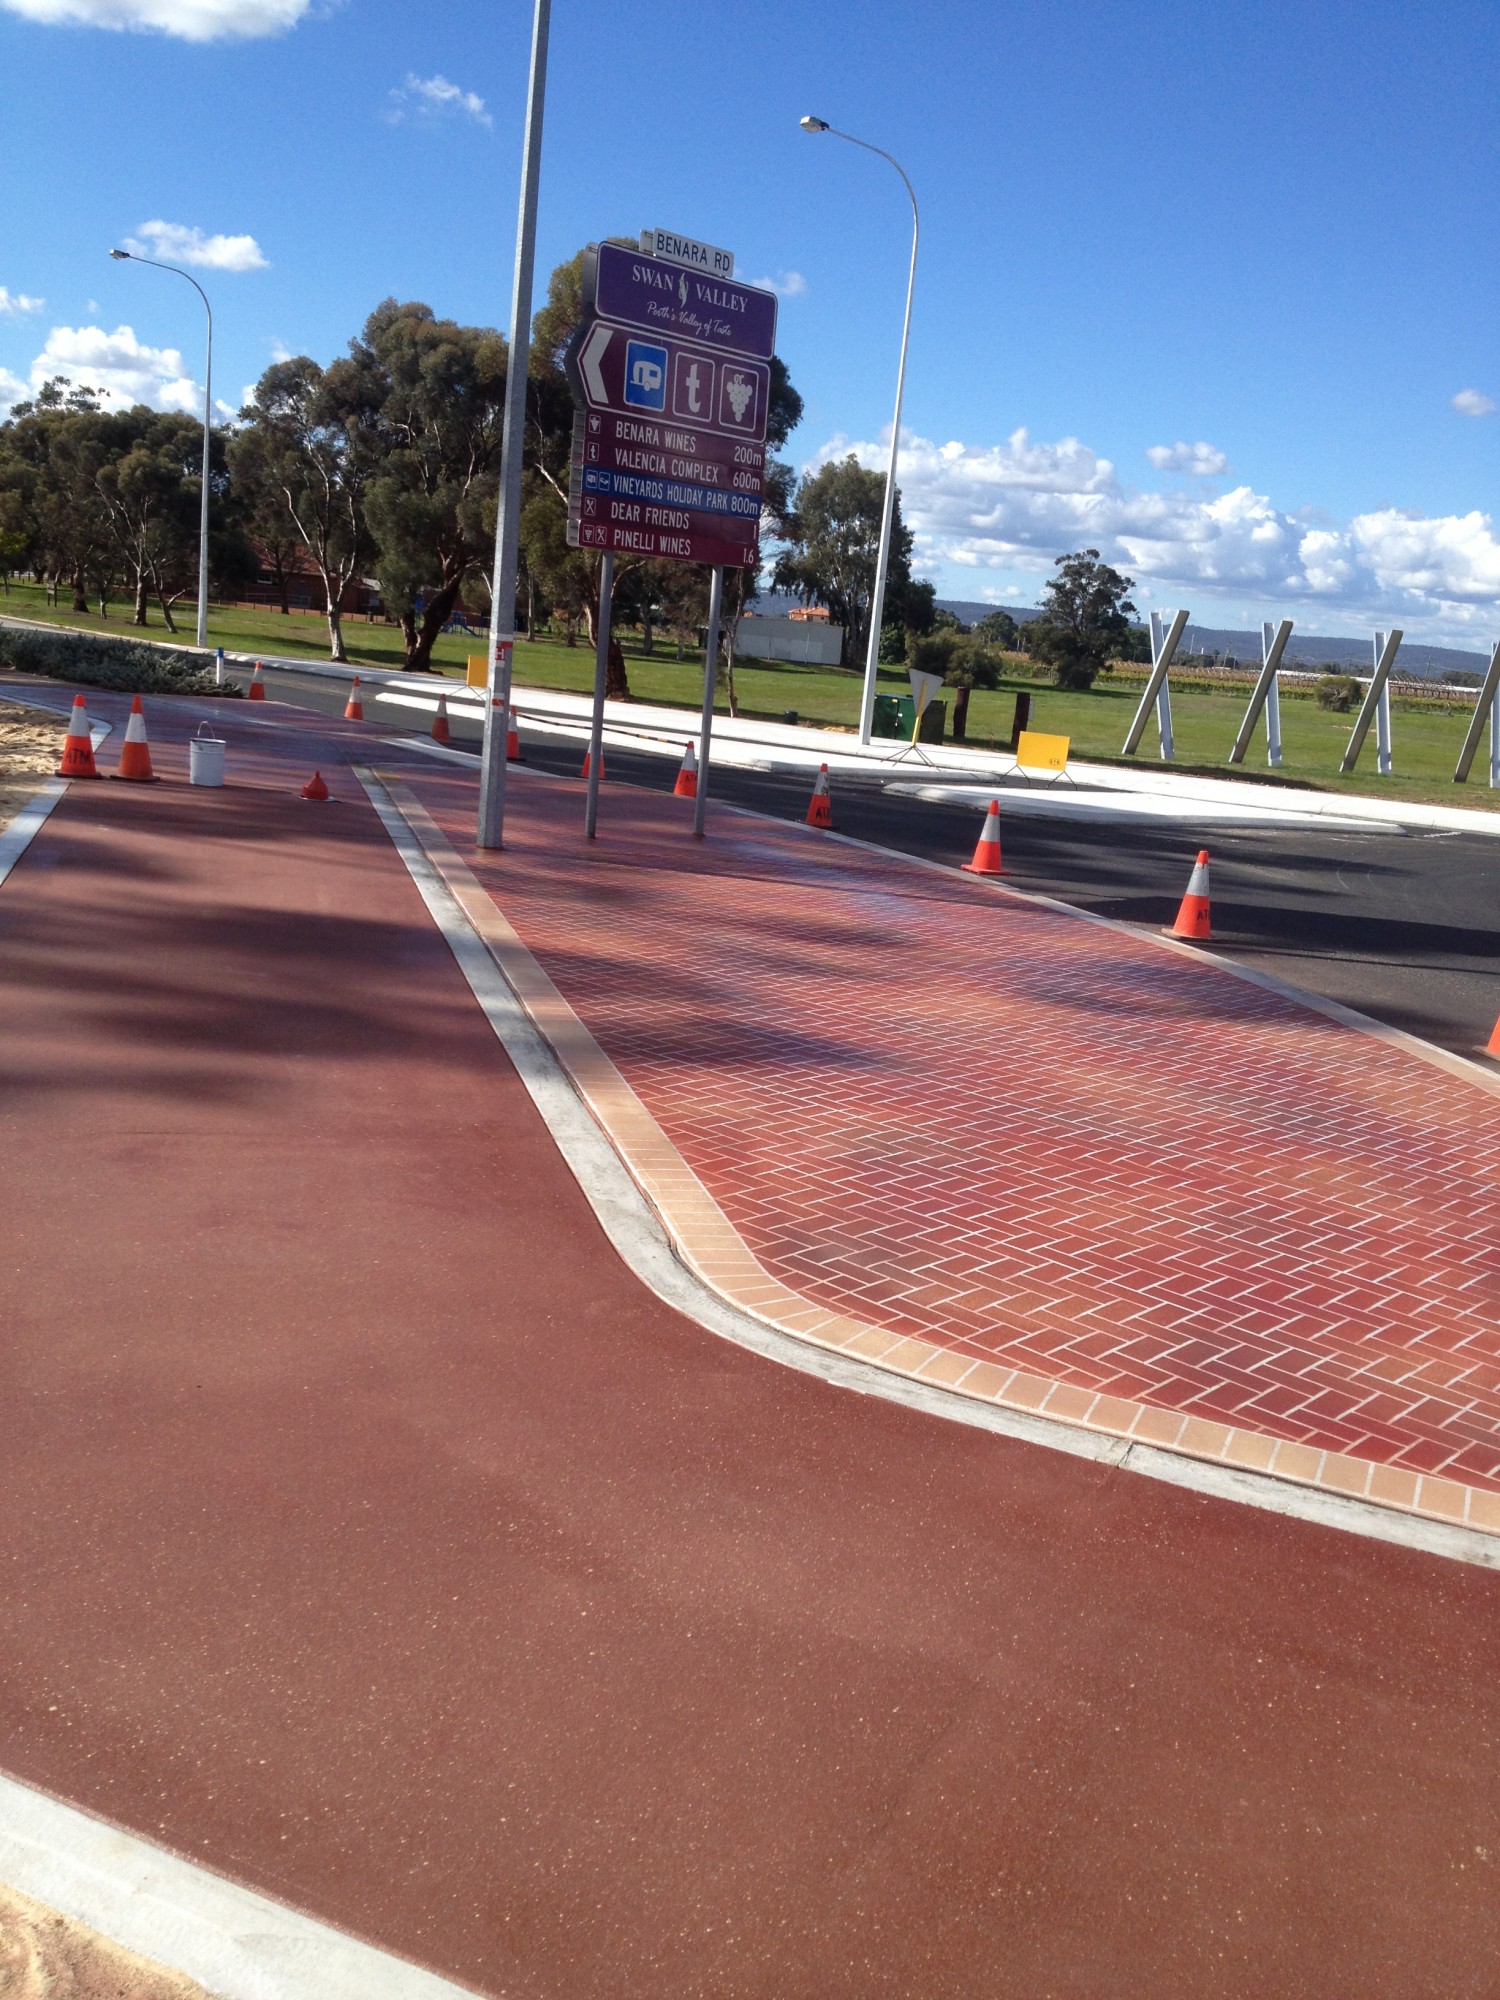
{"type": "Point", "coordinates": [834, 132]}
{"type": "Point", "coordinates": [130, 257]}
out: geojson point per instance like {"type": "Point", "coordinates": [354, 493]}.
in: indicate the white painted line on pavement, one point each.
{"type": "Point", "coordinates": [643, 1245]}
{"type": "Point", "coordinates": [237, 1943]}
{"type": "Point", "coordinates": [23, 829]}
{"type": "Point", "coordinates": [1054, 802]}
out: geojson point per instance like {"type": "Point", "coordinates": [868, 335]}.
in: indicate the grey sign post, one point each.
{"type": "Point", "coordinates": [491, 828]}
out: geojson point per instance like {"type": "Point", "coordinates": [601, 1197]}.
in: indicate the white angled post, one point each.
{"type": "Point", "coordinates": [1373, 708]}
{"type": "Point", "coordinates": [1266, 694]}
{"type": "Point", "coordinates": [491, 828]}
{"type": "Point", "coordinates": [1163, 651]}
{"type": "Point", "coordinates": [1486, 703]}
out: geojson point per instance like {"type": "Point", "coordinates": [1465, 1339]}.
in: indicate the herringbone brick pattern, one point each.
{"type": "Point", "coordinates": [998, 1127]}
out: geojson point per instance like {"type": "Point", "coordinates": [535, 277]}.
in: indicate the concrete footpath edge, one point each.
{"type": "Point", "coordinates": [239, 1944]}
{"type": "Point", "coordinates": [668, 1229]}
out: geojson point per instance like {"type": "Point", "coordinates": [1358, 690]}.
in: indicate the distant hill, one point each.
{"type": "Point", "coordinates": [1305, 648]}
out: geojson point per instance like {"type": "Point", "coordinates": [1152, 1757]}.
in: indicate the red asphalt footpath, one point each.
{"type": "Point", "coordinates": [372, 1536]}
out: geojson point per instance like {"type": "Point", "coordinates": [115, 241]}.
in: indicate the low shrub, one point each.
{"type": "Point", "coordinates": [1338, 692]}
{"type": "Point", "coordinates": [123, 665]}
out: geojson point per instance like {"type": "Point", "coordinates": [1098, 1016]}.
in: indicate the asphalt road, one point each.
{"type": "Point", "coordinates": [1400, 925]}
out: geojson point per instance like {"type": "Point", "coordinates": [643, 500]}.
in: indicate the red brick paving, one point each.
{"type": "Point", "coordinates": [1027, 1137]}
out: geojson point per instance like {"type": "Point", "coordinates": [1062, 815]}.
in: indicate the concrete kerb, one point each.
{"type": "Point", "coordinates": [652, 1205]}
{"type": "Point", "coordinates": [237, 1943]}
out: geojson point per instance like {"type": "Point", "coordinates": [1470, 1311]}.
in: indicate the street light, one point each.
{"type": "Point", "coordinates": [130, 257]}
{"type": "Point", "coordinates": [883, 558]}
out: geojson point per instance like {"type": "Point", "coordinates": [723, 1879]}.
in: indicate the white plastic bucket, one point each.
{"type": "Point", "coordinates": [206, 758]}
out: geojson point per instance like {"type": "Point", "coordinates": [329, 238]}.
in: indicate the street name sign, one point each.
{"type": "Point", "coordinates": [670, 371]}
{"type": "Point", "coordinates": [675, 249]}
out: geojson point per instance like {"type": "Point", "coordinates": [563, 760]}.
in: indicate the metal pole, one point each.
{"type": "Point", "coordinates": [887, 516]}
{"type": "Point", "coordinates": [208, 414]}
{"type": "Point", "coordinates": [130, 257]}
{"type": "Point", "coordinates": [1163, 652]}
{"type": "Point", "coordinates": [1273, 723]}
{"type": "Point", "coordinates": [1487, 703]}
{"type": "Point", "coordinates": [1387, 644]}
{"type": "Point", "coordinates": [601, 668]}
{"type": "Point", "coordinates": [1266, 694]}
{"type": "Point", "coordinates": [490, 831]}
{"type": "Point", "coordinates": [710, 681]}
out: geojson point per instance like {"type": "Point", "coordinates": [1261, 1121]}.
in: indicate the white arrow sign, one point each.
{"type": "Point", "coordinates": [589, 359]}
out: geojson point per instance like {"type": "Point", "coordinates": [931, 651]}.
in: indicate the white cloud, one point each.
{"type": "Point", "coordinates": [786, 284]}
{"type": "Point", "coordinates": [279, 349]}
{"type": "Point", "coordinates": [121, 367]}
{"type": "Point", "coordinates": [190, 20]}
{"type": "Point", "coordinates": [435, 97]}
{"type": "Point", "coordinates": [175, 243]}
{"type": "Point", "coordinates": [14, 304]}
{"type": "Point", "coordinates": [1016, 506]}
{"type": "Point", "coordinates": [1474, 403]}
{"type": "Point", "coordinates": [1206, 461]}
{"type": "Point", "coordinates": [12, 390]}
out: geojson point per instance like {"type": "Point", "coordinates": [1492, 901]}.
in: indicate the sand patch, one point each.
{"type": "Point", "coordinates": [31, 742]}
{"type": "Point", "coordinates": [46, 1956]}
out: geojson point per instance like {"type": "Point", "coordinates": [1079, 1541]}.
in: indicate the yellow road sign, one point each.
{"type": "Point", "coordinates": [1042, 753]}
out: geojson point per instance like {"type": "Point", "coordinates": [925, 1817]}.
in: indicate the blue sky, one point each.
{"type": "Point", "coordinates": [1266, 231]}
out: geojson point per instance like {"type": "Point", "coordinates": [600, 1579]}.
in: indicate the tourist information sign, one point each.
{"type": "Point", "coordinates": [670, 370]}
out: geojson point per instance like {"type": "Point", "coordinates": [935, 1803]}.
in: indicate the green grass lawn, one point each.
{"type": "Point", "coordinates": [1426, 736]}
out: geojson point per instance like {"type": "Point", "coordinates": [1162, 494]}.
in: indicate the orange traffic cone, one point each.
{"type": "Point", "coordinates": [78, 749]}
{"type": "Point", "coordinates": [441, 733]}
{"type": "Point", "coordinates": [1492, 1046]}
{"type": "Point", "coordinates": [1192, 914]}
{"type": "Point", "coordinates": [820, 806]}
{"type": "Point", "coordinates": [586, 756]}
{"type": "Point", "coordinates": [987, 848]}
{"type": "Point", "coordinates": [315, 788]}
{"type": "Point", "coordinates": [354, 708]}
{"type": "Point", "coordinates": [135, 751]}
{"type": "Point", "coordinates": [513, 746]}
{"type": "Point", "coordinates": [257, 688]}
{"type": "Point", "coordinates": [687, 778]}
